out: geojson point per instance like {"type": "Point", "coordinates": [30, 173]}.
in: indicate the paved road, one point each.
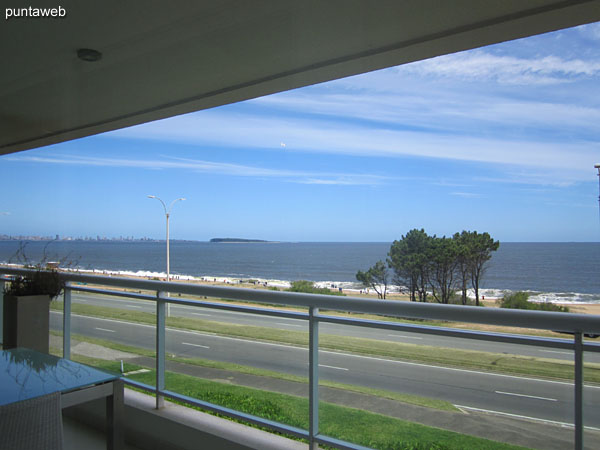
{"type": "Point", "coordinates": [327, 328]}
{"type": "Point", "coordinates": [529, 397]}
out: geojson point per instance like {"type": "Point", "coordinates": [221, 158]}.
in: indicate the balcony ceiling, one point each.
{"type": "Point", "coordinates": [163, 58]}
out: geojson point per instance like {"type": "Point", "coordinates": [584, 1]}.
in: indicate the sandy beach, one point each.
{"type": "Point", "coordinates": [581, 308]}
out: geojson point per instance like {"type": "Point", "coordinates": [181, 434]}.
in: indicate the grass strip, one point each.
{"type": "Point", "coordinates": [396, 396]}
{"type": "Point", "coordinates": [466, 359]}
{"type": "Point", "coordinates": [350, 424]}
{"type": "Point", "coordinates": [353, 425]}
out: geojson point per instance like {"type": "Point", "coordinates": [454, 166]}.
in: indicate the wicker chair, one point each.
{"type": "Point", "coordinates": [32, 424]}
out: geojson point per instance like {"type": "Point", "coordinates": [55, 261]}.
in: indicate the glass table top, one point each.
{"type": "Point", "coordinates": [26, 374]}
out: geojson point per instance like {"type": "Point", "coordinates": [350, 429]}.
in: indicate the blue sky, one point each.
{"type": "Point", "coordinates": [501, 139]}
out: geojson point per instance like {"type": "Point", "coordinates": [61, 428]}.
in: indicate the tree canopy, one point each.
{"type": "Point", "coordinates": [376, 277]}
{"type": "Point", "coordinates": [409, 259]}
{"type": "Point", "coordinates": [439, 266]}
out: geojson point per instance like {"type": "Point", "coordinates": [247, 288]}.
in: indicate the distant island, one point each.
{"type": "Point", "coordinates": [236, 240]}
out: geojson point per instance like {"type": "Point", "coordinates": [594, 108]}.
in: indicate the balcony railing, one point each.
{"type": "Point", "coordinates": [575, 324]}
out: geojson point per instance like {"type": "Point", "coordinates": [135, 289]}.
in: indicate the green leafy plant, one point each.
{"type": "Point", "coordinates": [40, 282]}
{"type": "Point", "coordinates": [43, 278]}
{"type": "Point", "coordinates": [519, 300]}
{"type": "Point", "coordinates": [310, 288]}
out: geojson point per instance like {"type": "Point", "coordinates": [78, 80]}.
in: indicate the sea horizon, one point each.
{"type": "Point", "coordinates": [247, 240]}
{"type": "Point", "coordinates": [553, 271]}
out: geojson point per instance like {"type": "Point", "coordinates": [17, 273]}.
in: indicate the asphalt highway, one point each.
{"type": "Point", "coordinates": [328, 328]}
{"type": "Point", "coordinates": [529, 397]}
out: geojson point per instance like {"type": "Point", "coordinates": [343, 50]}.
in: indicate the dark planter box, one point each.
{"type": "Point", "coordinates": [26, 322]}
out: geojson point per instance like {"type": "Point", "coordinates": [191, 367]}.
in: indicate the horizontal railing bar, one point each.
{"type": "Point", "coordinates": [239, 308]}
{"type": "Point", "coordinates": [198, 303]}
{"type": "Point", "coordinates": [377, 324]}
{"type": "Point", "coordinates": [234, 414]}
{"type": "Point", "coordinates": [543, 320]}
{"type": "Point", "coordinates": [125, 294]}
{"type": "Point", "coordinates": [367, 323]}
{"type": "Point", "coordinates": [464, 334]}
{"type": "Point", "coordinates": [138, 384]}
{"type": "Point", "coordinates": [275, 426]}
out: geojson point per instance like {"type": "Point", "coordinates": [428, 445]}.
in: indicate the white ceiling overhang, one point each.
{"type": "Point", "coordinates": [163, 58]}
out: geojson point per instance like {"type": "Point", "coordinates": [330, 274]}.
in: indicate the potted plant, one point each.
{"type": "Point", "coordinates": [26, 309]}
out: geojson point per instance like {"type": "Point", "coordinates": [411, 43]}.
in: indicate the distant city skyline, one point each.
{"type": "Point", "coordinates": [501, 139]}
{"type": "Point", "coordinates": [57, 237]}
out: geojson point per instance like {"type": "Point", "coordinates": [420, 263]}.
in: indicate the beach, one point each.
{"type": "Point", "coordinates": [361, 292]}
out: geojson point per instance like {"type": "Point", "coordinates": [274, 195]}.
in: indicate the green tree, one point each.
{"type": "Point", "coordinates": [376, 277]}
{"type": "Point", "coordinates": [444, 257]}
{"type": "Point", "coordinates": [409, 259]}
{"type": "Point", "coordinates": [463, 266]}
{"type": "Point", "coordinates": [480, 247]}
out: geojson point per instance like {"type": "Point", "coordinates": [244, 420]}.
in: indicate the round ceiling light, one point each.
{"type": "Point", "coordinates": [89, 55]}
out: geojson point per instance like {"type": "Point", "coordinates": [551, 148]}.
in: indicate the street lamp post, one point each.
{"type": "Point", "coordinates": [167, 214]}
{"type": "Point", "coordinates": [597, 166]}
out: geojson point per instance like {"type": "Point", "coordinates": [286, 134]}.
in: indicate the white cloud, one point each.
{"type": "Point", "coordinates": [219, 168]}
{"type": "Point", "coordinates": [466, 194]}
{"type": "Point", "coordinates": [481, 65]}
{"type": "Point", "coordinates": [443, 112]}
{"type": "Point", "coordinates": [427, 109]}
{"type": "Point", "coordinates": [591, 31]}
{"type": "Point", "coordinates": [332, 137]}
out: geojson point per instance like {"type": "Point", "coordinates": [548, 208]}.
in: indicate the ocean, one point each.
{"type": "Point", "coordinates": [565, 272]}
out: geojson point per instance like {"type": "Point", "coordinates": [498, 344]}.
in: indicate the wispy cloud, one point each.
{"type": "Point", "coordinates": [491, 106]}
{"type": "Point", "coordinates": [591, 31]}
{"type": "Point", "coordinates": [217, 168]}
{"type": "Point", "coordinates": [445, 112]}
{"type": "Point", "coordinates": [481, 65]}
{"type": "Point", "coordinates": [466, 194]}
{"type": "Point", "coordinates": [333, 137]}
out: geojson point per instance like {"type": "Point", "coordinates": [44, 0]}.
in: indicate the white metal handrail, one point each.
{"type": "Point", "coordinates": [577, 324]}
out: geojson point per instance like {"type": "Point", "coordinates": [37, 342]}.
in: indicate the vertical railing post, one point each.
{"type": "Point", "coordinates": [313, 367]}
{"type": "Point", "coordinates": [578, 391]}
{"type": "Point", "coordinates": [2, 285]}
{"type": "Point", "coordinates": [160, 348]}
{"type": "Point", "coordinates": [67, 322]}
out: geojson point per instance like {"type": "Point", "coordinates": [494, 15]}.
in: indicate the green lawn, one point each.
{"type": "Point", "coordinates": [349, 424]}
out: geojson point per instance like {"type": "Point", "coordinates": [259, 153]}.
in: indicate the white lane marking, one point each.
{"type": "Point", "coordinates": [105, 329]}
{"type": "Point", "coordinates": [200, 314]}
{"type": "Point", "coordinates": [527, 396]}
{"type": "Point", "coordinates": [405, 337]}
{"type": "Point", "coordinates": [132, 306]}
{"type": "Point", "coordinates": [518, 416]}
{"type": "Point", "coordinates": [287, 324]}
{"type": "Point", "coordinates": [514, 377]}
{"type": "Point", "coordinates": [194, 345]}
{"type": "Point", "coordinates": [555, 351]}
{"type": "Point", "coordinates": [333, 367]}
{"type": "Point", "coordinates": [195, 333]}
{"type": "Point", "coordinates": [224, 312]}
